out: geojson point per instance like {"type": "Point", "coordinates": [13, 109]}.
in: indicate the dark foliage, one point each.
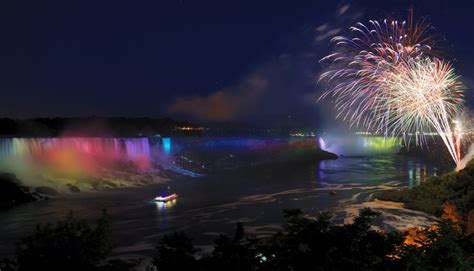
{"type": "Point", "coordinates": [96, 126]}
{"type": "Point", "coordinates": [304, 244]}
{"type": "Point", "coordinates": [316, 244]}
{"type": "Point", "coordinates": [237, 253]}
{"type": "Point", "coordinates": [442, 248]}
{"type": "Point", "coordinates": [175, 252]}
{"type": "Point", "coordinates": [71, 244]}
{"type": "Point", "coordinates": [455, 187]}
{"type": "Point", "coordinates": [118, 265]}
{"type": "Point", "coordinates": [12, 192]}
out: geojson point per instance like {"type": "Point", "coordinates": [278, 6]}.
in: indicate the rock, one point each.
{"type": "Point", "coordinates": [73, 188]}
{"type": "Point", "coordinates": [46, 191]}
{"type": "Point", "coordinates": [110, 184]}
{"type": "Point", "coordinates": [12, 192]}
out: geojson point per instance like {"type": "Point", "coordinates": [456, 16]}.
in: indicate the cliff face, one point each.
{"type": "Point", "coordinates": [12, 192]}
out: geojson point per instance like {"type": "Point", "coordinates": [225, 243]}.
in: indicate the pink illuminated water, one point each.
{"type": "Point", "coordinates": [76, 154]}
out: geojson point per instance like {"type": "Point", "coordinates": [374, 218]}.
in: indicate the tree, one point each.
{"type": "Point", "coordinates": [470, 223]}
{"type": "Point", "coordinates": [442, 247]}
{"type": "Point", "coordinates": [175, 252]}
{"type": "Point", "coordinates": [71, 244]}
{"type": "Point", "coordinates": [450, 213]}
{"type": "Point", "coordinates": [233, 254]}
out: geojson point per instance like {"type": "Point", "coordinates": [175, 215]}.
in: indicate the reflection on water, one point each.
{"type": "Point", "coordinates": [418, 172]}
{"type": "Point", "coordinates": [161, 206]}
{"type": "Point", "coordinates": [212, 204]}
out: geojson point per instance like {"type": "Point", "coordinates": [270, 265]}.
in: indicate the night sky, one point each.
{"type": "Point", "coordinates": [251, 61]}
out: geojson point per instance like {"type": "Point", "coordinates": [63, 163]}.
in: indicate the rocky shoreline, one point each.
{"type": "Point", "coordinates": [393, 215]}
{"type": "Point", "coordinates": [13, 192]}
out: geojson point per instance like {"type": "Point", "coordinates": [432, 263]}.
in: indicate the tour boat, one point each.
{"type": "Point", "coordinates": [167, 198]}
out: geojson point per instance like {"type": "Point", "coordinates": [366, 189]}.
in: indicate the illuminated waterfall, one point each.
{"type": "Point", "coordinates": [128, 148]}
{"type": "Point", "coordinates": [74, 155]}
{"type": "Point", "coordinates": [360, 145]}
{"type": "Point", "coordinates": [167, 145]}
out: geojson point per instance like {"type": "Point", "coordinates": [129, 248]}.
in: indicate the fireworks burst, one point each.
{"type": "Point", "coordinates": [420, 96]}
{"type": "Point", "coordinates": [386, 78]}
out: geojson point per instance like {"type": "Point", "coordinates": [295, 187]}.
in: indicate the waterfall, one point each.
{"type": "Point", "coordinates": [137, 147]}
{"type": "Point", "coordinates": [117, 148]}
{"type": "Point", "coordinates": [166, 145]}
{"type": "Point", "coordinates": [351, 145]}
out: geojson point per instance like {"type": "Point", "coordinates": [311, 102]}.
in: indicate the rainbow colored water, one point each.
{"type": "Point", "coordinates": [74, 155]}
{"type": "Point", "coordinates": [131, 147]}
{"type": "Point", "coordinates": [97, 163]}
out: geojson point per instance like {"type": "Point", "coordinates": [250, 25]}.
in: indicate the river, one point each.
{"type": "Point", "coordinates": [213, 203]}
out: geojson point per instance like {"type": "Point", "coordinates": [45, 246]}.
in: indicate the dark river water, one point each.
{"type": "Point", "coordinates": [212, 204]}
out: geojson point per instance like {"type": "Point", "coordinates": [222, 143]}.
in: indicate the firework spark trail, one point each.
{"type": "Point", "coordinates": [420, 95]}
{"type": "Point", "coordinates": [458, 137]}
{"type": "Point", "coordinates": [357, 61]}
{"type": "Point", "coordinates": [386, 78]}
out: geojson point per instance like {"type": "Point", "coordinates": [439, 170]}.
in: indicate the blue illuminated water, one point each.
{"type": "Point", "coordinates": [167, 145]}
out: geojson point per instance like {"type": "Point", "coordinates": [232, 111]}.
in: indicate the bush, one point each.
{"type": "Point", "coordinates": [71, 244]}
{"type": "Point", "coordinates": [12, 192]}
{"type": "Point", "coordinates": [442, 248]}
{"type": "Point", "coordinates": [455, 187]}
{"type": "Point", "coordinates": [315, 244]}
{"type": "Point", "coordinates": [175, 252]}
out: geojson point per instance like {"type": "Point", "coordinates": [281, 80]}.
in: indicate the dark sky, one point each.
{"type": "Point", "coordinates": [203, 60]}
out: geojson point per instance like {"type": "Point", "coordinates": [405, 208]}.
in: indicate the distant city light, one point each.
{"type": "Point", "coordinates": [189, 128]}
